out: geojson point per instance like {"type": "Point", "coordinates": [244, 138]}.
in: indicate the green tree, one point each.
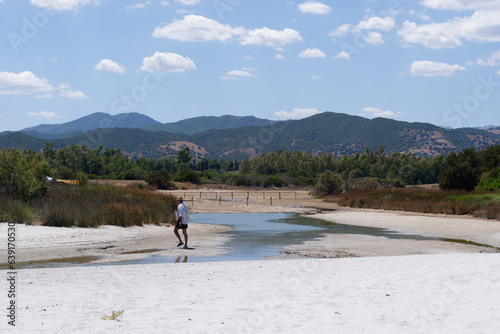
{"type": "Point", "coordinates": [23, 175]}
{"type": "Point", "coordinates": [461, 171]}
{"type": "Point", "coordinates": [328, 183]}
{"type": "Point", "coordinates": [184, 156]}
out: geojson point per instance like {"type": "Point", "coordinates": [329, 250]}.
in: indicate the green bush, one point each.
{"type": "Point", "coordinates": [23, 175]}
{"type": "Point", "coordinates": [273, 181]}
{"type": "Point", "coordinates": [160, 179]}
{"type": "Point", "coordinates": [188, 176]}
{"type": "Point", "coordinates": [490, 184]}
{"type": "Point", "coordinates": [328, 184]}
{"type": "Point", "coordinates": [242, 181]}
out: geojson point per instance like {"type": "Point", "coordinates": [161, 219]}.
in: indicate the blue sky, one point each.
{"type": "Point", "coordinates": [435, 61]}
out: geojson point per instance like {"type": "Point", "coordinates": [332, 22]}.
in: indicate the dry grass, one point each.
{"type": "Point", "coordinates": [91, 206]}
{"type": "Point", "coordinates": [478, 204]}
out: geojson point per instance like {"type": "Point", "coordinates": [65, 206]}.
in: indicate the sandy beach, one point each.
{"type": "Point", "coordinates": [347, 283]}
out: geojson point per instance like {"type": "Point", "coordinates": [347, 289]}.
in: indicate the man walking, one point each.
{"type": "Point", "coordinates": [183, 218]}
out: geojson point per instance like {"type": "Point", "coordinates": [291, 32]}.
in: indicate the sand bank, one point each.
{"type": "Point", "coordinates": [110, 243]}
{"type": "Point", "coordinates": [447, 293]}
{"type": "Point", "coordinates": [471, 235]}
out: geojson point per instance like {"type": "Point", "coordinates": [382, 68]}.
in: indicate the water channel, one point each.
{"type": "Point", "coordinates": [255, 236]}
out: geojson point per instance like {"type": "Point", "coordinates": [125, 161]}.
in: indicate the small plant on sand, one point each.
{"type": "Point", "coordinates": [114, 315]}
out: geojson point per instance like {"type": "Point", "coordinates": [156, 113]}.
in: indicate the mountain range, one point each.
{"type": "Point", "coordinates": [234, 137]}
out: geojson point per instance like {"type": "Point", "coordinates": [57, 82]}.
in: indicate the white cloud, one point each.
{"type": "Point", "coordinates": [167, 62]}
{"type": "Point", "coordinates": [374, 38]}
{"type": "Point", "coordinates": [376, 23]}
{"type": "Point", "coordinates": [297, 113]}
{"type": "Point", "coordinates": [492, 60]}
{"type": "Point", "coordinates": [164, 3]}
{"type": "Point", "coordinates": [62, 4]}
{"type": "Point", "coordinates": [137, 6]}
{"type": "Point", "coordinates": [188, 2]}
{"type": "Point", "coordinates": [195, 28]}
{"type": "Point", "coordinates": [340, 31]}
{"type": "Point", "coordinates": [312, 53]}
{"type": "Point", "coordinates": [23, 83]}
{"type": "Point", "coordinates": [462, 4]}
{"type": "Point", "coordinates": [279, 57]}
{"type": "Point", "coordinates": [43, 114]}
{"type": "Point", "coordinates": [377, 112]}
{"type": "Point", "coordinates": [430, 69]}
{"type": "Point", "coordinates": [45, 96]}
{"type": "Point", "coordinates": [482, 26]}
{"type": "Point", "coordinates": [316, 77]}
{"type": "Point", "coordinates": [72, 95]}
{"type": "Point", "coordinates": [109, 65]}
{"type": "Point", "coordinates": [343, 55]}
{"type": "Point", "coordinates": [269, 37]}
{"type": "Point", "coordinates": [243, 73]}
{"type": "Point", "coordinates": [314, 8]}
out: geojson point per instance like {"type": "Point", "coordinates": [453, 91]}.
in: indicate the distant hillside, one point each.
{"type": "Point", "coordinates": [88, 123]}
{"type": "Point", "coordinates": [204, 123]}
{"type": "Point", "coordinates": [331, 132]}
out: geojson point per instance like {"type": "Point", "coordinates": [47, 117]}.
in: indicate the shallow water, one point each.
{"type": "Point", "coordinates": [253, 236]}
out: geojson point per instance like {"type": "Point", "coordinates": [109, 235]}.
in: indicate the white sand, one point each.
{"type": "Point", "coordinates": [409, 294]}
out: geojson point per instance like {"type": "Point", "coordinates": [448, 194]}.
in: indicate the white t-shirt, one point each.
{"type": "Point", "coordinates": [183, 211]}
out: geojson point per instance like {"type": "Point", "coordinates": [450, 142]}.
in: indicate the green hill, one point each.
{"type": "Point", "coordinates": [204, 123]}
{"type": "Point", "coordinates": [88, 123]}
{"type": "Point", "coordinates": [331, 132]}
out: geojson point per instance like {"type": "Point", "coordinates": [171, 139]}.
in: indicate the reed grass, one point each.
{"type": "Point", "coordinates": [91, 206]}
{"type": "Point", "coordinates": [15, 210]}
{"type": "Point", "coordinates": [478, 204]}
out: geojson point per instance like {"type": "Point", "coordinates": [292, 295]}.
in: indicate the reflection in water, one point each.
{"type": "Point", "coordinates": [178, 260]}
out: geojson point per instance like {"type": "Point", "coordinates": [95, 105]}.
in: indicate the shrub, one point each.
{"type": "Point", "coordinates": [489, 184]}
{"type": "Point", "coordinates": [160, 179]}
{"type": "Point", "coordinates": [82, 178]}
{"type": "Point", "coordinates": [273, 181]}
{"type": "Point", "coordinates": [328, 184]}
{"type": "Point", "coordinates": [57, 212]}
{"type": "Point", "coordinates": [243, 181]}
{"type": "Point", "coordinates": [18, 211]}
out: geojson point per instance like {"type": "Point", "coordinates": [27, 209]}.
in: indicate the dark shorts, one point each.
{"type": "Point", "coordinates": [181, 226]}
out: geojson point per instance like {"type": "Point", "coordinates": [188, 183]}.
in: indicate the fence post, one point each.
{"type": "Point", "coordinates": [295, 195]}
{"type": "Point", "coordinates": [200, 194]}
{"type": "Point", "coordinates": [220, 200]}
{"type": "Point", "coordinates": [247, 200]}
{"type": "Point", "coordinates": [231, 195]}
{"type": "Point", "coordinates": [192, 200]}
{"type": "Point", "coordinates": [263, 195]}
{"type": "Point", "coordinates": [279, 194]}
{"type": "Point", "coordinates": [271, 200]}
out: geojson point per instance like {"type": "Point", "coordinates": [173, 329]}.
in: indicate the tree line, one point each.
{"type": "Point", "coordinates": [24, 174]}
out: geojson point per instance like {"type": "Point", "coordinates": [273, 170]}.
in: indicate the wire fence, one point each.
{"type": "Point", "coordinates": [259, 197]}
